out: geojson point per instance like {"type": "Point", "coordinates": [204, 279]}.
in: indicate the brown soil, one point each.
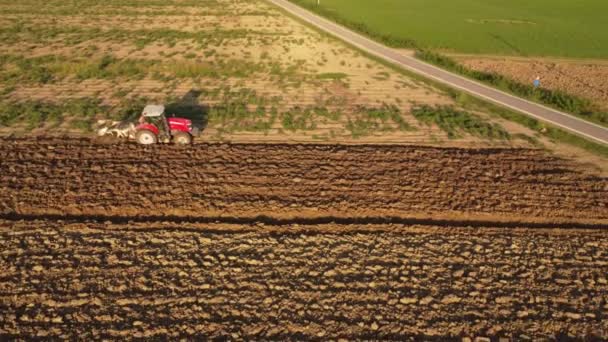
{"type": "Point", "coordinates": [113, 281]}
{"type": "Point", "coordinates": [587, 79]}
{"type": "Point", "coordinates": [105, 240]}
{"type": "Point", "coordinates": [78, 177]}
{"type": "Point", "coordinates": [111, 241]}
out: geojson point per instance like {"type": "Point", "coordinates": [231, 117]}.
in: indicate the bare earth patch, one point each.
{"type": "Point", "coordinates": [298, 242]}
{"type": "Point", "coordinates": [587, 79]}
{"type": "Point", "coordinates": [158, 280]}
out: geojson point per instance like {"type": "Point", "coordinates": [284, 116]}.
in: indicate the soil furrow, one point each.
{"type": "Point", "coordinates": [199, 281]}
{"type": "Point", "coordinates": [81, 178]}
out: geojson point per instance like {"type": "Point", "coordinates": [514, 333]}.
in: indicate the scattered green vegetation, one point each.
{"type": "Point", "coordinates": [84, 125]}
{"type": "Point", "coordinates": [323, 112]}
{"type": "Point", "coordinates": [368, 120]}
{"type": "Point", "coordinates": [123, 8]}
{"type": "Point", "coordinates": [51, 68]}
{"type": "Point", "coordinates": [545, 130]}
{"type": "Point", "coordinates": [332, 76]}
{"type": "Point", "coordinates": [219, 69]}
{"type": "Point", "coordinates": [74, 35]}
{"type": "Point", "coordinates": [107, 67]}
{"type": "Point", "coordinates": [35, 114]}
{"type": "Point", "coordinates": [455, 122]}
{"type": "Point", "coordinates": [298, 119]}
{"type": "Point", "coordinates": [236, 116]}
{"type": "Point", "coordinates": [243, 110]}
{"type": "Point", "coordinates": [15, 70]}
{"type": "Point", "coordinates": [78, 113]}
{"type": "Point", "coordinates": [239, 110]}
{"type": "Point", "coordinates": [48, 69]}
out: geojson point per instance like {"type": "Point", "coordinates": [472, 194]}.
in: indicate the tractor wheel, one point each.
{"type": "Point", "coordinates": [146, 137]}
{"type": "Point", "coordinates": [182, 138]}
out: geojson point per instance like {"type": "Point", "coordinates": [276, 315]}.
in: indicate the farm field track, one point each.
{"type": "Point", "coordinates": [49, 177]}
{"type": "Point", "coordinates": [105, 280]}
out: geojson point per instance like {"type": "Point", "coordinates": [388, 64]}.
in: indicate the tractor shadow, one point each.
{"type": "Point", "coordinates": [189, 107]}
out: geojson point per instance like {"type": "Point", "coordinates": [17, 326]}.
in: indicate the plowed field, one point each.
{"type": "Point", "coordinates": [79, 177]}
{"type": "Point", "coordinates": [111, 281]}
{"type": "Point", "coordinates": [107, 241]}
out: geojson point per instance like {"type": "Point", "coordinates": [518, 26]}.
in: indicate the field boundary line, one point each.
{"type": "Point", "coordinates": [320, 220]}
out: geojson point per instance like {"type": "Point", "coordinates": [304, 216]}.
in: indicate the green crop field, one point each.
{"type": "Point", "coordinates": [560, 28]}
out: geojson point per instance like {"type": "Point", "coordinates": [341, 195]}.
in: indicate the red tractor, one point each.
{"type": "Point", "coordinates": [154, 127]}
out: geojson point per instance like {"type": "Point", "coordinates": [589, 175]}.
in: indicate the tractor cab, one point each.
{"type": "Point", "coordinates": [155, 127]}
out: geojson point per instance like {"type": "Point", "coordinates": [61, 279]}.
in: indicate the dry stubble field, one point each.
{"type": "Point", "coordinates": [259, 74]}
{"type": "Point", "coordinates": [243, 68]}
{"type": "Point", "coordinates": [273, 241]}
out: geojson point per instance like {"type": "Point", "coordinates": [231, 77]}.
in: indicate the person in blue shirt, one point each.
{"type": "Point", "coordinates": [537, 82]}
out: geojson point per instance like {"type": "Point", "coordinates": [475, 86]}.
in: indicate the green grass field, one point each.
{"type": "Point", "coordinates": [559, 28]}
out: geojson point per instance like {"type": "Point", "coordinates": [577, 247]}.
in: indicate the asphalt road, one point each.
{"type": "Point", "coordinates": [557, 118]}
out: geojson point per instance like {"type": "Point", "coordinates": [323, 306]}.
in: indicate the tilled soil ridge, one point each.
{"type": "Point", "coordinates": [91, 280]}
{"type": "Point", "coordinates": [79, 177]}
